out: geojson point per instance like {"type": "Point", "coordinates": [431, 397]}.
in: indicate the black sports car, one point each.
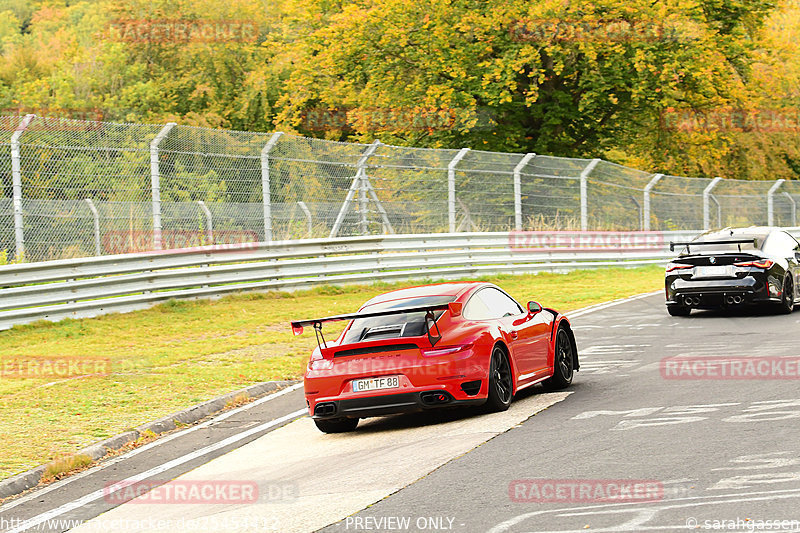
{"type": "Point", "coordinates": [733, 267]}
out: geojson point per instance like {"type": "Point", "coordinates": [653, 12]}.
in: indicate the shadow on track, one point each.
{"type": "Point", "coordinates": [435, 416]}
{"type": "Point", "coordinates": [728, 312]}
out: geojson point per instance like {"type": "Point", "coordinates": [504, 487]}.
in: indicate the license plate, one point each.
{"type": "Point", "coordinates": [388, 382]}
{"type": "Point", "coordinates": [712, 271]}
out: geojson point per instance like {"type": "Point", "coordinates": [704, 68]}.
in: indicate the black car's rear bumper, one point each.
{"type": "Point", "coordinates": [388, 404]}
{"type": "Point", "coordinates": [711, 293]}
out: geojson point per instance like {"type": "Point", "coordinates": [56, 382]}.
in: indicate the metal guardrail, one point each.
{"type": "Point", "coordinates": [85, 287]}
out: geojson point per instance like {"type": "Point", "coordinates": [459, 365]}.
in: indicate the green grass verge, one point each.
{"type": "Point", "coordinates": [181, 353]}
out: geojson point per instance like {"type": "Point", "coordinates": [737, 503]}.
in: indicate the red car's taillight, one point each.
{"type": "Point", "coordinates": [320, 364]}
{"type": "Point", "coordinates": [444, 350]}
{"type": "Point", "coordinates": [678, 266]}
{"type": "Point", "coordinates": [764, 263]}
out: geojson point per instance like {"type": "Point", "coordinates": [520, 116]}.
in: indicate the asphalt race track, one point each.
{"type": "Point", "coordinates": [638, 443]}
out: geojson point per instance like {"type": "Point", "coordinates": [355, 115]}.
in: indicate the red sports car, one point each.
{"type": "Point", "coordinates": [434, 346]}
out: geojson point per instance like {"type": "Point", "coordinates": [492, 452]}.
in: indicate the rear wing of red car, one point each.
{"type": "Point", "coordinates": [430, 318]}
{"type": "Point", "coordinates": [740, 242]}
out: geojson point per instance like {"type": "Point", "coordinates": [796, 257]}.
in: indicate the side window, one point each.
{"type": "Point", "coordinates": [476, 308]}
{"type": "Point", "coordinates": [491, 303]}
{"type": "Point", "coordinates": [781, 244]}
{"type": "Point", "coordinates": [795, 246]}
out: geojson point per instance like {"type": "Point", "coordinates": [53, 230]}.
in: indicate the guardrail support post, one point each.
{"type": "Point", "coordinates": [266, 193]}
{"type": "Point", "coordinates": [155, 182]}
{"type": "Point", "coordinates": [96, 218]}
{"type": "Point", "coordinates": [518, 190]}
{"type": "Point", "coordinates": [584, 190]}
{"type": "Point", "coordinates": [707, 203]}
{"type": "Point", "coordinates": [209, 221]}
{"type": "Point", "coordinates": [794, 208]}
{"type": "Point", "coordinates": [451, 188]}
{"type": "Point", "coordinates": [16, 179]}
{"type": "Point", "coordinates": [771, 202]}
{"type": "Point", "coordinates": [647, 189]}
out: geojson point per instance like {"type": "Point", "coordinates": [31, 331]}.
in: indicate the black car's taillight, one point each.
{"type": "Point", "coordinates": [678, 266]}
{"type": "Point", "coordinates": [764, 263]}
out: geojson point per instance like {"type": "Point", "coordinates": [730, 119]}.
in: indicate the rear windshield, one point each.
{"type": "Point", "coordinates": [394, 326]}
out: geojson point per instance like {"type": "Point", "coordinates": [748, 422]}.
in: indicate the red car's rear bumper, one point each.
{"type": "Point", "coordinates": [424, 383]}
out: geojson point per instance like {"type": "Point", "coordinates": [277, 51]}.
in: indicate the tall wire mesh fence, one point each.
{"type": "Point", "coordinates": [75, 188]}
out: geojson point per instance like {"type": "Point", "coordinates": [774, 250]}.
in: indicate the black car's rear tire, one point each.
{"type": "Point", "coordinates": [563, 362]}
{"type": "Point", "coordinates": [678, 310]}
{"type": "Point", "coordinates": [337, 425]}
{"type": "Point", "coordinates": [501, 384]}
{"type": "Point", "coordinates": [787, 301]}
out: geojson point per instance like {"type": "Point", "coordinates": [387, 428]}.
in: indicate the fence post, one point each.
{"type": "Point", "coordinates": [639, 209]}
{"type": "Point", "coordinates": [364, 186]}
{"type": "Point", "coordinates": [360, 185]}
{"type": "Point", "coordinates": [266, 194]}
{"type": "Point", "coordinates": [584, 191]}
{"type": "Point", "coordinates": [209, 221]}
{"type": "Point", "coordinates": [155, 183]}
{"type": "Point", "coordinates": [719, 209]}
{"type": "Point", "coordinates": [794, 208]}
{"type": "Point", "coordinates": [518, 190]}
{"type": "Point", "coordinates": [771, 202]}
{"type": "Point", "coordinates": [451, 188]}
{"type": "Point", "coordinates": [706, 202]}
{"type": "Point", "coordinates": [363, 204]}
{"type": "Point", "coordinates": [96, 217]}
{"type": "Point", "coordinates": [647, 189]}
{"type": "Point", "coordinates": [16, 179]}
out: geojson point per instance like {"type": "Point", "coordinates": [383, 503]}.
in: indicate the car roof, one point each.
{"type": "Point", "coordinates": [453, 289]}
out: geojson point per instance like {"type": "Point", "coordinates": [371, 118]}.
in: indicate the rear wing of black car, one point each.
{"type": "Point", "coordinates": [740, 242]}
{"type": "Point", "coordinates": [430, 318]}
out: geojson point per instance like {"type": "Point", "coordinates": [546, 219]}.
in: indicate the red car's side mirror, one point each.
{"type": "Point", "coordinates": [534, 307]}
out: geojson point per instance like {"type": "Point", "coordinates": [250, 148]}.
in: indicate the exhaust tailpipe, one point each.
{"type": "Point", "coordinates": [435, 397]}
{"type": "Point", "coordinates": [729, 300]}
{"type": "Point", "coordinates": [737, 299]}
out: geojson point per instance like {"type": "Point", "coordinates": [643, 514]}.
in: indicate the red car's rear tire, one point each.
{"type": "Point", "coordinates": [501, 385]}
